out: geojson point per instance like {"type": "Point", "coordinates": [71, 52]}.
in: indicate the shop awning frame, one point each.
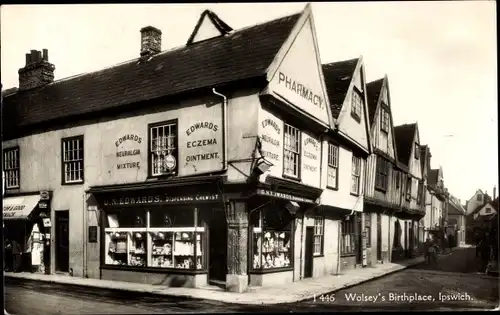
{"type": "Point", "coordinates": [19, 207]}
{"type": "Point", "coordinates": [167, 183]}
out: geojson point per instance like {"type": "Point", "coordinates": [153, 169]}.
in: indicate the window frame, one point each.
{"type": "Point", "coordinates": [417, 151]}
{"type": "Point", "coordinates": [351, 231]}
{"type": "Point", "coordinates": [331, 158]}
{"type": "Point", "coordinates": [353, 175]}
{"type": "Point", "coordinates": [408, 188]}
{"type": "Point", "coordinates": [297, 154]}
{"type": "Point", "coordinates": [14, 169]}
{"type": "Point", "coordinates": [357, 93]}
{"type": "Point", "coordinates": [398, 179]}
{"type": "Point", "coordinates": [420, 191]}
{"type": "Point", "coordinates": [64, 180]}
{"type": "Point", "coordinates": [382, 174]}
{"type": "Point", "coordinates": [384, 119]}
{"type": "Point", "coordinates": [319, 223]}
{"type": "Point", "coordinates": [164, 123]}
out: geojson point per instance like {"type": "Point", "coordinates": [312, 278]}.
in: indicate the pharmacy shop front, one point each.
{"type": "Point", "coordinates": [174, 235]}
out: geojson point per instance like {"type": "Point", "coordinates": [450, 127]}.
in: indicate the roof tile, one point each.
{"type": "Point", "coordinates": [240, 55]}
{"type": "Point", "coordinates": [338, 76]}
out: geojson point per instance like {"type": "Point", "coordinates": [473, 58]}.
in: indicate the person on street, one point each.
{"type": "Point", "coordinates": [485, 253]}
{"type": "Point", "coordinates": [7, 258]}
{"type": "Point", "coordinates": [450, 242]}
{"type": "Point", "coordinates": [427, 245]}
{"type": "Point", "coordinates": [16, 255]}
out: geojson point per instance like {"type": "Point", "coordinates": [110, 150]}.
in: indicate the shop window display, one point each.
{"type": "Point", "coordinates": [169, 239]}
{"type": "Point", "coordinates": [272, 239]}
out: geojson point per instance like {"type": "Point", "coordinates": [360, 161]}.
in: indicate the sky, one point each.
{"type": "Point", "coordinates": [440, 58]}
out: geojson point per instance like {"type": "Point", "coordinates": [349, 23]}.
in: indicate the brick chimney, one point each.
{"type": "Point", "coordinates": [150, 41]}
{"type": "Point", "coordinates": [37, 72]}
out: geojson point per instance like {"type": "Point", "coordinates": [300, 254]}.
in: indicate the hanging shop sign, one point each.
{"type": "Point", "coordinates": [46, 222]}
{"type": "Point", "coordinates": [280, 195]}
{"type": "Point", "coordinates": [44, 195]}
{"type": "Point", "coordinates": [43, 205]}
{"type": "Point", "coordinates": [160, 199]}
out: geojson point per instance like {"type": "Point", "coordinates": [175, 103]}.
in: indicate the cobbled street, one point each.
{"type": "Point", "coordinates": [454, 277]}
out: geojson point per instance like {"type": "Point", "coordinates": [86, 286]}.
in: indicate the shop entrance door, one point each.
{"type": "Point", "coordinates": [62, 241]}
{"type": "Point", "coordinates": [217, 260]}
{"type": "Point", "coordinates": [308, 258]}
{"type": "Point", "coordinates": [379, 237]}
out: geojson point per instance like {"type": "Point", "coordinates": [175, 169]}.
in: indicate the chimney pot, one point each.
{"type": "Point", "coordinates": [45, 54]}
{"type": "Point", "coordinates": [36, 73]}
{"type": "Point", "coordinates": [150, 41]}
{"type": "Point", "coordinates": [33, 55]}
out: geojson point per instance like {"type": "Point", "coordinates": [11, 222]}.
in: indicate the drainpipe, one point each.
{"type": "Point", "coordinates": [85, 218]}
{"type": "Point", "coordinates": [301, 244]}
{"type": "Point", "coordinates": [224, 129]}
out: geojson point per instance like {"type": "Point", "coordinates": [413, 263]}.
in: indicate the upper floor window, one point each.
{"type": "Point", "coordinates": [479, 198]}
{"type": "Point", "coordinates": [355, 175]}
{"type": "Point", "coordinates": [357, 104]}
{"type": "Point", "coordinates": [408, 188]}
{"type": "Point", "coordinates": [72, 160]}
{"type": "Point", "coordinates": [319, 227]}
{"type": "Point", "coordinates": [381, 178]}
{"type": "Point", "coordinates": [488, 210]}
{"type": "Point", "coordinates": [384, 120]}
{"type": "Point", "coordinates": [163, 148]}
{"type": "Point", "coordinates": [291, 150]}
{"type": "Point", "coordinates": [333, 166]}
{"type": "Point", "coordinates": [420, 193]}
{"type": "Point", "coordinates": [417, 151]}
{"type": "Point", "coordinates": [11, 168]}
{"type": "Point", "coordinates": [397, 175]}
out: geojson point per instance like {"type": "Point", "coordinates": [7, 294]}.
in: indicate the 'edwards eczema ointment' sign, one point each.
{"type": "Point", "coordinates": [200, 147]}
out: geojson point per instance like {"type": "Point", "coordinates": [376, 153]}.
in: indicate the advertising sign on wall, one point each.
{"type": "Point", "coordinates": [298, 79]}
{"type": "Point", "coordinates": [270, 133]}
{"type": "Point", "coordinates": [311, 160]}
{"type": "Point", "coordinates": [194, 131]}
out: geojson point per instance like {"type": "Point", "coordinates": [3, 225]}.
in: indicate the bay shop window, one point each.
{"type": "Point", "coordinates": [272, 239]}
{"type": "Point", "coordinates": [157, 238]}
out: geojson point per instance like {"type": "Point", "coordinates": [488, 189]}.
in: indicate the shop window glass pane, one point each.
{"type": "Point", "coordinates": [180, 217]}
{"type": "Point", "coordinates": [127, 219]}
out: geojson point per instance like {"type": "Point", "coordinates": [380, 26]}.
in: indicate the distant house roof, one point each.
{"type": "Point", "coordinates": [492, 203]}
{"type": "Point", "coordinates": [455, 207]}
{"type": "Point", "coordinates": [404, 135]}
{"type": "Point", "coordinates": [373, 90]}
{"type": "Point", "coordinates": [243, 54]}
{"type": "Point", "coordinates": [338, 76]}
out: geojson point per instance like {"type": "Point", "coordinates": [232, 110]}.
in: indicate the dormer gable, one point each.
{"type": "Point", "coordinates": [380, 117]}
{"type": "Point", "coordinates": [346, 86]}
{"type": "Point", "coordinates": [209, 26]}
{"type": "Point", "coordinates": [408, 147]}
{"type": "Point", "coordinates": [295, 76]}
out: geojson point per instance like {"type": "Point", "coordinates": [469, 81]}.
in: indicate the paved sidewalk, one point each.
{"type": "Point", "coordinates": [289, 293]}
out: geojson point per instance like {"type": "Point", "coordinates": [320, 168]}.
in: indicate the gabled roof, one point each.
{"type": "Point", "coordinates": [219, 24]}
{"type": "Point", "coordinates": [404, 135]}
{"type": "Point", "coordinates": [373, 90]}
{"type": "Point", "coordinates": [338, 76]}
{"type": "Point", "coordinates": [242, 54]}
{"type": "Point", "coordinates": [492, 203]}
{"type": "Point", "coordinates": [454, 206]}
